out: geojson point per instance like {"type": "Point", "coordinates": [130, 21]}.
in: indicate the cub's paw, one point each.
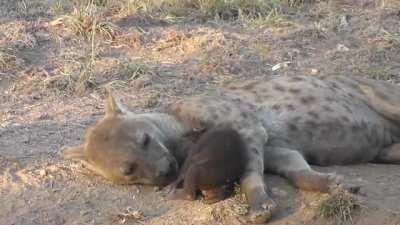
{"type": "Point", "coordinates": [214, 195]}
{"type": "Point", "coordinates": [179, 194]}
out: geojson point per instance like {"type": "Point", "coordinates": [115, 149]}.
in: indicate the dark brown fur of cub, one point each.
{"type": "Point", "coordinates": [216, 158]}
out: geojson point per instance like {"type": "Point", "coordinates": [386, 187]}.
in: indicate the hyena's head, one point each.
{"type": "Point", "coordinates": [126, 148]}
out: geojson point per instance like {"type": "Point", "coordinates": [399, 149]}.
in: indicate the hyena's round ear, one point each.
{"type": "Point", "coordinates": [113, 107]}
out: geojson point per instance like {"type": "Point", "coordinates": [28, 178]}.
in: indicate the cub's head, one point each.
{"type": "Point", "coordinates": [126, 148]}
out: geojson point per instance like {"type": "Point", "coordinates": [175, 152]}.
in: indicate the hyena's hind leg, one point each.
{"type": "Point", "coordinates": [383, 97]}
{"type": "Point", "coordinates": [291, 164]}
{"type": "Point", "coordinates": [390, 155]}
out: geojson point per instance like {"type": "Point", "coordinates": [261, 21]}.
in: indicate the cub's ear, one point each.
{"type": "Point", "coordinates": [74, 153]}
{"type": "Point", "coordinates": [113, 107]}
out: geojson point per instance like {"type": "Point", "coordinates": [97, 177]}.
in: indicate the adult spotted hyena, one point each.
{"type": "Point", "coordinates": [287, 124]}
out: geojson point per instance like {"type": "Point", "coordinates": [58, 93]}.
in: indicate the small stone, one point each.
{"type": "Point", "coordinates": [42, 172]}
{"type": "Point", "coordinates": [84, 212]}
{"type": "Point", "coordinates": [344, 23]}
{"type": "Point", "coordinates": [342, 48]}
{"type": "Point", "coordinates": [280, 65]}
{"type": "Point", "coordinates": [57, 22]}
{"type": "Point", "coordinates": [156, 189]}
{"type": "Point", "coordinates": [44, 116]}
{"type": "Point", "coordinates": [314, 71]}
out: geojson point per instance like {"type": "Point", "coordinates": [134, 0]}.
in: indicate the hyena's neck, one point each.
{"type": "Point", "coordinates": [172, 131]}
{"type": "Point", "coordinates": [167, 124]}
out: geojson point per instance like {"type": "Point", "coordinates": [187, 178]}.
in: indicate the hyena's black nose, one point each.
{"type": "Point", "coordinates": [126, 169]}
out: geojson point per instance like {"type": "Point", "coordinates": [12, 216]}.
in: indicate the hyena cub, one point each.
{"type": "Point", "coordinates": [216, 159]}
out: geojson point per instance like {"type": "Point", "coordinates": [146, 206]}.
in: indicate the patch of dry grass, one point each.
{"type": "Point", "coordinates": [212, 9]}
{"type": "Point", "coordinates": [236, 9]}
{"type": "Point", "coordinates": [340, 206]}
{"type": "Point", "coordinates": [31, 9]}
{"type": "Point", "coordinates": [216, 56]}
{"type": "Point", "coordinates": [86, 18]}
{"type": "Point", "coordinates": [379, 73]}
{"type": "Point", "coordinates": [83, 23]}
{"type": "Point", "coordinates": [69, 80]}
{"type": "Point", "coordinates": [76, 75]}
{"type": "Point", "coordinates": [129, 70]}
{"type": "Point", "coordinates": [275, 18]}
{"type": "Point", "coordinates": [7, 59]}
{"type": "Point", "coordinates": [130, 215]}
{"type": "Point", "coordinates": [387, 40]}
{"type": "Point", "coordinates": [58, 7]}
{"type": "Point", "coordinates": [89, 20]}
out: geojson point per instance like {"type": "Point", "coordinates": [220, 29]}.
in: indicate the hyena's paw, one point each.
{"type": "Point", "coordinates": [314, 181]}
{"type": "Point", "coordinates": [323, 182]}
{"type": "Point", "coordinates": [263, 213]}
{"type": "Point", "coordinates": [337, 183]}
{"type": "Point", "coordinates": [333, 180]}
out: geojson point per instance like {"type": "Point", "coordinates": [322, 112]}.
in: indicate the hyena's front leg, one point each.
{"type": "Point", "coordinates": [261, 205]}
{"type": "Point", "coordinates": [252, 183]}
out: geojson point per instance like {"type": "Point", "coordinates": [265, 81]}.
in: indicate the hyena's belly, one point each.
{"type": "Point", "coordinates": [328, 134]}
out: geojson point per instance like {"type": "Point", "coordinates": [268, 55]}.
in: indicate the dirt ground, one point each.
{"type": "Point", "coordinates": [54, 72]}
